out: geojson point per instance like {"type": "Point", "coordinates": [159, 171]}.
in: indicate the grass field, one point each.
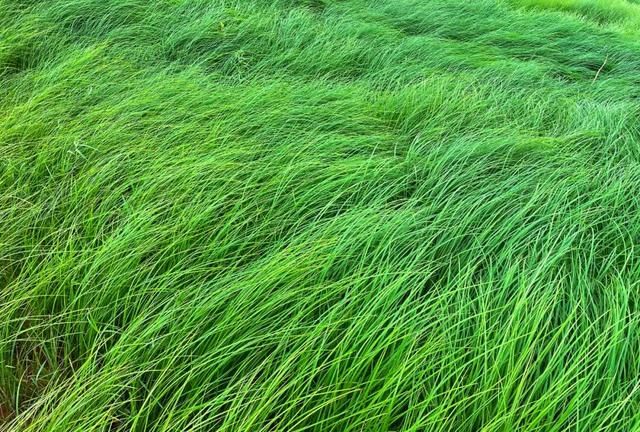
{"type": "Point", "coordinates": [320, 215]}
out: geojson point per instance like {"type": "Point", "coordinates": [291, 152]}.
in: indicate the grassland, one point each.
{"type": "Point", "coordinates": [319, 215]}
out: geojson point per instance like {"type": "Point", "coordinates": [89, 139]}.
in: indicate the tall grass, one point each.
{"type": "Point", "coordinates": [297, 215]}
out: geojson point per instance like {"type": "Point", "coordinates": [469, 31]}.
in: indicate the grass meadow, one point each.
{"type": "Point", "coordinates": [319, 215]}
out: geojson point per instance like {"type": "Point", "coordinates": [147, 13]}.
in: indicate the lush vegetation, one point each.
{"type": "Point", "coordinates": [323, 215]}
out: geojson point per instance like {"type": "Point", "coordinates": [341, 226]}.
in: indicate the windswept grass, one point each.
{"type": "Point", "coordinates": [319, 215]}
{"type": "Point", "coordinates": [624, 12]}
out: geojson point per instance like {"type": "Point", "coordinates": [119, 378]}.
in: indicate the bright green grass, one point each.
{"type": "Point", "coordinates": [319, 215]}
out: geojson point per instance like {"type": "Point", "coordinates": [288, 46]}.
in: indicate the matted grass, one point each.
{"type": "Point", "coordinates": [319, 215]}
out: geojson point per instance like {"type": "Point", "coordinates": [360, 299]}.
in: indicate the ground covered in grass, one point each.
{"type": "Point", "coordinates": [322, 215]}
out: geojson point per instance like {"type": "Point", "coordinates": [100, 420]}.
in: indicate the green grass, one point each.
{"type": "Point", "coordinates": [319, 215]}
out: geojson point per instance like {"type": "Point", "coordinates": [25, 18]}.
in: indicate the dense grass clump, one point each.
{"type": "Point", "coordinates": [319, 215]}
